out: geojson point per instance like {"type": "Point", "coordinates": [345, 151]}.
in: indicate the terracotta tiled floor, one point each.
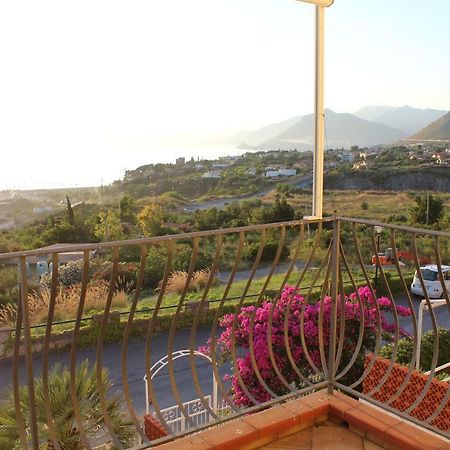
{"type": "Point", "coordinates": [328, 436]}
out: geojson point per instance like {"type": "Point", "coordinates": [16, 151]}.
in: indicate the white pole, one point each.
{"type": "Point", "coordinates": [319, 117]}
{"type": "Point", "coordinates": [215, 404]}
{"type": "Point", "coordinates": [147, 406]}
{"type": "Point", "coordinates": [422, 306]}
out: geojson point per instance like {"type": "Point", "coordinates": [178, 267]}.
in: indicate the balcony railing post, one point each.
{"type": "Point", "coordinates": [334, 297]}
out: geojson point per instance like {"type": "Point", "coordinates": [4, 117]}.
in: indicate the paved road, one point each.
{"type": "Point", "coordinates": [136, 364]}
{"type": "Point", "coordinates": [299, 182]}
{"type": "Point", "coordinates": [442, 315]}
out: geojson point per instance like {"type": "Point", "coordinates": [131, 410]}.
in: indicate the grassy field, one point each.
{"type": "Point", "coordinates": [311, 283]}
{"type": "Point", "coordinates": [380, 204]}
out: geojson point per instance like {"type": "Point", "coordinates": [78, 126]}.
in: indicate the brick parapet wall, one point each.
{"type": "Point", "coordinates": [435, 395]}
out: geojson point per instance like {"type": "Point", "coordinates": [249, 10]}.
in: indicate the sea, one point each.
{"type": "Point", "coordinates": [89, 169]}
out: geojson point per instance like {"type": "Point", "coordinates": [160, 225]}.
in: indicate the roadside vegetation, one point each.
{"type": "Point", "coordinates": [152, 200]}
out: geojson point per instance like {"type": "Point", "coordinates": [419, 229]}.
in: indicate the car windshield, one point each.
{"type": "Point", "coordinates": [429, 275]}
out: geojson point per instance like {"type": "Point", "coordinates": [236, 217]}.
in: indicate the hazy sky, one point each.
{"type": "Point", "coordinates": [90, 87]}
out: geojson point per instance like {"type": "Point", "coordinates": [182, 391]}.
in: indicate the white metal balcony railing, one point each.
{"type": "Point", "coordinates": [284, 320]}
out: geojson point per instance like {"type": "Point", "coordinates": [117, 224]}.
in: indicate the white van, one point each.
{"type": "Point", "coordinates": [433, 285]}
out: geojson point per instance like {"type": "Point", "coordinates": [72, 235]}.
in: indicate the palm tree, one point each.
{"type": "Point", "coordinates": [63, 412]}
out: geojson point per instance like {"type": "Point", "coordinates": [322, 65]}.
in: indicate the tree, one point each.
{"type": "Point", "coordinates": [208, 219]}
{"type": "Point", "coordinates": [65, 232]}
{"type": "Point", "coordinates": [70, 213]}
{"type": "Point", "coordinates": [428, 209]}
{"type": "Point", "coordinates": [127, 209]}
{"type": "Point", "coordinates": [151, 219]}
{"type": "Point", "coordinates": [282, 211]}
{"type": "Point", "coordinates": [63, 412]}
{"type": "Point", "coordinates": [109, 227]}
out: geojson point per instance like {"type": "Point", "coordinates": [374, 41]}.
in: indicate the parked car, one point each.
{"type": "Point", "coordinates": [432, 281]}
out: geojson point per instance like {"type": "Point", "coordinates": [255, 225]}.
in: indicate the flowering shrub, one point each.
{"type": "Point", "coordinates": [289, 307]}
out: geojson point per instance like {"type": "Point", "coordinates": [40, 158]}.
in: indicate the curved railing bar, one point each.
{"type": "Point", "coordinates": [309, 260]}
{"type": "Point", "coordinates": [148, 339]}
{"type": "Point", "coordinates": [192, 340]}
{"type": "Point", "coordinates": [323, 359]}
{"type": "Point", "coordinates": [20, 422]}
{"type": "Point", "coordinates": [437, 254]}
{"type": "Point", "coordinates": [435, 331]}
{"type": "Point", "coordinates": [253, 315]}
{"type": "Point", "coordinates": [48, 331]}
{"type": "Point", "coordinates": [359, 343]}
{"type": "Point", "coordinates": [216, 322]}
{"type": "Point", "coordinates": [272, 310]}
{"type": "Point", "coordinates": [73, 353]}
{"type": "Point", "coordinates": [405, 382]}
{"type": "Point", "coordinates": [262, 244]}
{"type": "Point", "coordinates": [377, 310]}
{"type": "Point", "coordinates": [313, 366]}
{"type": "Point", "coordinates": [341, 320]}
{"type": "Point", "coordinates": [334, 266]}
{"type": "Point", "coordinates": [173, 328]}
{"type": "Point", "coordinates": [28, 355]}
{"type": "Point", "coordinates": [101, 338]}
{"type": "Point", "coordinates": [386, 374]}
{"type": "Point", "coordinates": [126, 335]}
{"type": "Point", "coordinates": [292, 264]}
{"type": "Point", "coordinates": [287, 315]}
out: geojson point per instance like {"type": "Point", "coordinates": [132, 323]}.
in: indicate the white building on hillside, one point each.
{"type": "Point", "coordinates": [281, 173]}
{"type": "Point", "coordinates": [212, 174]}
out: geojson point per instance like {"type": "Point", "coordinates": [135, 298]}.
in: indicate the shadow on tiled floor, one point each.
{"type": "Point", "coordinates": [327, 436]}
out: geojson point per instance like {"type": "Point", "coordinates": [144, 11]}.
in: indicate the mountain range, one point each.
{"type": "Point", "coordinates": [370, 126]}
{"type": "Point", "coordinates": [404, 118]}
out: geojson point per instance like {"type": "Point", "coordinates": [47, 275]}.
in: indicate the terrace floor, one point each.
{"type": "Point", "coordinates": [329, 435]}
{"type": "Point", "coordinates": [314, 422]}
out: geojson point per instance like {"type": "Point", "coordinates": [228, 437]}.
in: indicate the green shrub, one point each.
{"type": "Point", "coordinates": [406, 347]}
{"type": "Point", "coordinates": [155, 266]}
{"type": "Point", "coordinates": [426, 357]}
{"type": "Point", "coordinates": [269, 252]}
{"type": "Point", "coordinates": [8, 285]}
{"type": "Point", "coordinates": [126, 275]}
{"type": "Point", "coordinates": [181, 260]}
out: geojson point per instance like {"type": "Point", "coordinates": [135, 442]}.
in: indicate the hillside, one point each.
{"type": "Point", "coordinates": [405, 118]}
{"type": "Point", "coordinates": [373, 112]}
{"type": "Point", "coordinates": [438, 130]}
{"type": "Point", "coordinates": [436, 179]}
{"type": "Point", "coordinates": [255, 138]}
{"type": "Point", "coordinates": [342, 130]}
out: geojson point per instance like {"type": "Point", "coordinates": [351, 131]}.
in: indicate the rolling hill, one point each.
{"type": "Point", "coordinates": [257, 137]}
{"type": "Point", "coordinates": [342, 130]}
{"type": "Point", "coordinates": [438, 130]}
{"type": "Point", "coordinates": [405, 118]}
{"type": "Point", "coordinates": [373, 112]}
